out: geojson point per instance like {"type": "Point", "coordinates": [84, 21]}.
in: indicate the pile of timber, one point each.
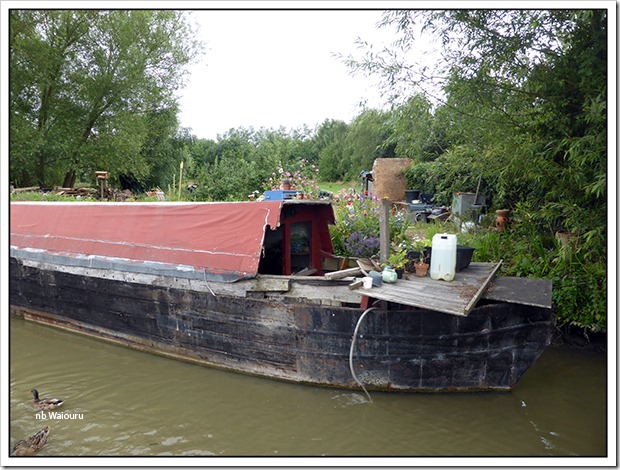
{"type": "Point", "coordinates": [82, 192]}
{"type": "Point", "coordinates": [364, 267]}
{"type": "Point", "coordinates": [110, 194]}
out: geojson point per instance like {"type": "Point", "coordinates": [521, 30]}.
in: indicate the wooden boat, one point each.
{"type": "Point", "coordinates": [246, 287]}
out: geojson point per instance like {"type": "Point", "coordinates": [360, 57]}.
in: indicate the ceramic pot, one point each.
{"type": "Point", "coordinates": [421, 269]}
{"type": "Point", "coordinates": [501, 219]}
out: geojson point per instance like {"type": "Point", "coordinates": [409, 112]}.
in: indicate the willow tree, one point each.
{"type": "Point", "coordinates": [84, 86]}
{"type": "Point", "coordinates": [521, 99]}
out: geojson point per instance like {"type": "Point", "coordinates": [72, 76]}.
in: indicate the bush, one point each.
{"type": "Point", "coordinates": [356, 232]}
{"type": "Point", "coordinates": [302, 179]}
{"type": "Point", "coordinates": [579, 278]}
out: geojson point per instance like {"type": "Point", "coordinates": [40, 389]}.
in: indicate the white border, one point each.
{"type": "Point", "coordinates": [318, 462]}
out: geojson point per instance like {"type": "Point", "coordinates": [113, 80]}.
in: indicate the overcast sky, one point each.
{"type": "Point", "coordinates": [275, 68]}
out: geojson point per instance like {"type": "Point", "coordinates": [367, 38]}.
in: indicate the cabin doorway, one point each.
{"type": "Point", "coordinates": [272, 261]}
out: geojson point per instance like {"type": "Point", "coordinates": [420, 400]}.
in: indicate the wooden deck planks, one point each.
{"type": "Point", "coordinates": [525, 291]}
{"type": "Point", "coordinates": [457, 297]}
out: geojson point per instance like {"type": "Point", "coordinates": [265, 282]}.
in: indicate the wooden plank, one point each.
{"type": "Point", "coordinates": [454, 297]}
{"type": "Point", "coordinates": [520, 290]}
{"type": "Point", "coordinates": [343, 273]}
{"type": "Point", "coordinates": [30, 188]}
{"type": "Point", "coordinates": [356, 284]}
{"type": "Point", "coordinates": [306, 272]}
{"type": "Point", "coordinates": [262, 284]}
{"type": "Point", "coordinates": [472, 303]}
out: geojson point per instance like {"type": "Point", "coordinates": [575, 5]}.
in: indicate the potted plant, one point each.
{"type": "Point", "coordinates": [414, 250]}
{"type": "Point", "coordinates": [421, 266]}
{"type": "Point", "coordinates": [397, 260]}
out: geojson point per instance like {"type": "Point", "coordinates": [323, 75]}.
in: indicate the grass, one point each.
{"type": "Point", "coordinates": [336, 186]}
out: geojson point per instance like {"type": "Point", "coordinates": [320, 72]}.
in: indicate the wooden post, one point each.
{"type": "Point", "coordinates": [180, 178]}
{"type": "Point", "coordinates": [102, 178]}
{"type": "Point", "coordinates": [384, 230]}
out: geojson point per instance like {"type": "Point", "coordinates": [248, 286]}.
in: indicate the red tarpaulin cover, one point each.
{"type": "Point", "coordinates": [221, 239]}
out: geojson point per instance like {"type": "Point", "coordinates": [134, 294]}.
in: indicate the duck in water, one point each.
{"type": "Point", "coordinates": [45, 403]}
{"type": "Point", "coordinates": [32, 444]}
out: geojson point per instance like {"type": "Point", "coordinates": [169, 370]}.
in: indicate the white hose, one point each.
{"type": "Point", "coordinates": [353, 346]}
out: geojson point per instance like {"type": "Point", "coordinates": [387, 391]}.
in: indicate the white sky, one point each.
{"type": "Point", "coordinates": [275, 68]}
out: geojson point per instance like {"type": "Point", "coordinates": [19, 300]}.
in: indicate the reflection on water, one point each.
{"type": "Point", "coordinates": [120, 402]}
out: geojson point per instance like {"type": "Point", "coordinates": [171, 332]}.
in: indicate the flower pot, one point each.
{"type": "Point", "coordinates": [421, 269]}
{"type": "Point", "coordinates": [412, 258]}
{"type": "Point", "coordinates": [412, 195]}
{"type": "Point", "coordinates": [564, 238]}
{"type": "Point", "coordinates": [463, 256]}
{"type": "Point", "coordinates": [501, 219]}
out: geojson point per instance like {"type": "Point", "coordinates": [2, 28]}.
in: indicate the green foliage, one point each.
{"type": "Point", "coordinates": [356, 232]}
{"type": "Point", "coordinates": [301, 178]}
{"type": "Point", "coordinates": [336, 186]}
{"type": "Point", "coordinates": [47, 197]}
{"type": "Point", "coordinates": [85, 87]}
{"type": "Point", "coordinates": [522, 109]}
{"type": "Point", "coordinates": [415, 133]}
{"type": "Point", "coordinates": [241, 162]}
{"type": "Point", "coordinates": [397, 258]}
{"type": "Point", "coordinates": [366, 141]}
{"type": "Point", "coordinates": [579, 276]}
{"type": "Point", "coordinates": [330, 138]}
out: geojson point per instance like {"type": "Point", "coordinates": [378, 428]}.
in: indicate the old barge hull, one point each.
{"type": "Point", "coordinates": [398, 348]}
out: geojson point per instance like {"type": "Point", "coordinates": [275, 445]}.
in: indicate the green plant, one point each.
{"type": "Point", "coordinates": [47, 197]}
{"type": "Point", "coordinates": [578, 270]}
{"type": "Point", "coordinates": [302, 179]}
{"type": "Point", "coordinates": [356, 232]}
{"type": "Point", "coordinates": [397, 258]}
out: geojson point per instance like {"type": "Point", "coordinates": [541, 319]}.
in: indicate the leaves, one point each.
{"type": "Point", "coordinates": [523, 106]}
{"type": "Point", "coordinates": [83, 85]}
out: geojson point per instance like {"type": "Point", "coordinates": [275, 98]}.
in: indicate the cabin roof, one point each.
{"type": "Point", "coordinates": [212, 241]}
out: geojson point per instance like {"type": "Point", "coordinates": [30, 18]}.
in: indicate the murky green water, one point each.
{"type": "Point", "coordinates": [120, 402]}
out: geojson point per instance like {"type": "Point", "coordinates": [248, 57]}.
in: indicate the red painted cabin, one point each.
{"type": "Point", "coordinates": [212, 241]}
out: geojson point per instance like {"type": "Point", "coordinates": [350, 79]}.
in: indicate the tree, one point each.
{"type": "Point", "coordinates": [416, 134]}
{"type": "Point", "coordinates": [365, 142]}
{"type": "Point", "coordinates": [330, 139]}
{"type": "Point", "coordinates": [85, 85]}
{"type": "Point", "coordinates": [521, 97]}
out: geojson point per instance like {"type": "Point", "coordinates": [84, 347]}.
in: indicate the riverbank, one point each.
{"type": "Point", "coordinates": [574, 337]}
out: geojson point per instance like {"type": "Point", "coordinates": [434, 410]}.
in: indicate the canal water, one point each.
{"type": "Point", "coordinates": [125, 403]}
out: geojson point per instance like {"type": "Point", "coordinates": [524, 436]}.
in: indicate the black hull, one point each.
{"type": "Point", "coordinates": [397, 349]}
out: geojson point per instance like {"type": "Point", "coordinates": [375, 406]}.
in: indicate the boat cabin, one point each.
{"type": "Point", "coordinates": [220, 241]}
{"type": "Point", "coordinates": [298, 244]}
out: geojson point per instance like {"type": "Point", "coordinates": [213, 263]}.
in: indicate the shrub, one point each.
{"type": "Point", "coordinates": [302, 179]}
{"type": "Point", "coordinates": [579, 277]}
{"type": "Point", "coordinates": [356, 232]}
